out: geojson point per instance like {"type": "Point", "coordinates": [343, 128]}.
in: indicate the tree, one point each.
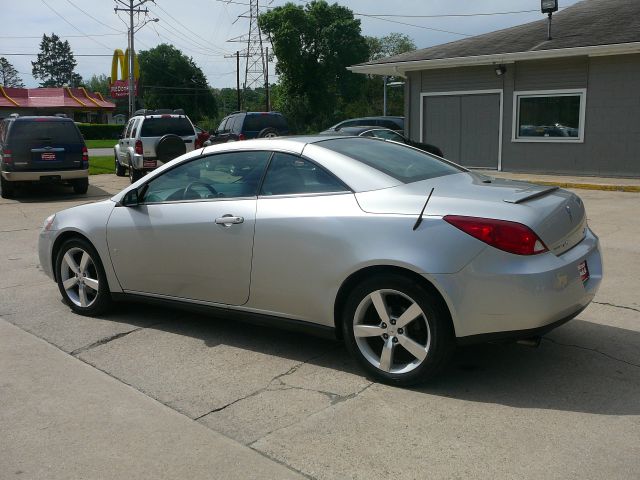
{"type": "Point", "coordinates": [55, 64]}
{"type": "Point", "coordinates": [314, 44]}
{"type": "Point", "coordinates": [170, 79]}
{"type": "Point", "coordinates": [98, 83]}
{"type": "Point", "coordinates": [9, 75]}
{"type": "Point", "coordinates": [389, 45]}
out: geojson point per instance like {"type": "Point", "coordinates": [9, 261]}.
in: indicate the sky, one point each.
{"type": "Point", "coordinates": [202, 28]}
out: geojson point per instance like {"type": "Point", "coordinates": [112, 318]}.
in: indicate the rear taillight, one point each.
{"type": "Point", "coordinates": [242, 137]}
{"type": "Point", "coordinates": [511, 237]}
{"type": "Point", "coordinates": [7, 157]}
{"type": "Point", "coordinates": [85, 155]}
{"type": "Point", "coordinates": [138, 148]}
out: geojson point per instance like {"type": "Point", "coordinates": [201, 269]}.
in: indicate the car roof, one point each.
{"type": "Point", "coordinates": [37, 117]}
{"type": "Point", "coordinates": [354, 130]}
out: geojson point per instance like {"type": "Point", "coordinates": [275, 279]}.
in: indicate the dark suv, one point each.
{"type": "Point", "coordinates": [247, 125]}
{"type": "Point", "coordinates": [42, 149]}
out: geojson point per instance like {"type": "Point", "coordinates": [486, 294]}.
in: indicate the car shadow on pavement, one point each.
{"type": "Point", "coordinates": [53, 192]}
{"type": "Point", "coordinates": [555, 376]}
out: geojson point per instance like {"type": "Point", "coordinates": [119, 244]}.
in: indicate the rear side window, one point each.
{"type": "Point", "coordinates": [389, 124]}
{"type": "Point", "coordinates": [45, 131]}
{"type": "Point", "coordinates": [236, 126]}
{"type": "Point", "coordinates": [157, 127]}
{"type": "Point", "coordinates": [259, 122]}
{"type": "Point", "coordinates": [289, 174]}
{"type": "Point", "coordinates": [398, 161]}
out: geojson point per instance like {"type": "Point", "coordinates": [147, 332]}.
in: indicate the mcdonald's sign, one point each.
{"type": "Point", "coordinates": [119, 85]}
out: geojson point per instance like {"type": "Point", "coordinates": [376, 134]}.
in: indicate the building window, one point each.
{"type": "Point", "coordinates": [549, 116]}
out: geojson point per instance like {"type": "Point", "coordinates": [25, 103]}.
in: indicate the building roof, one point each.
{"type": "Point", "coordinates": [63, 97]}
{"type": "Point", "coordinates": [590, 23]}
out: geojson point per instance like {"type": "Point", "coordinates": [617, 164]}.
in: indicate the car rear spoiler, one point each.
{"type": "Point", "coordinates": [530, 194]}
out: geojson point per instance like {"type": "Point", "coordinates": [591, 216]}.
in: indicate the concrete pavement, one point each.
{"type": "Point", "coordinates": [571, 181]}
{"type": "Point", "coordinates": [570, 409]}
{"type": "Point", "coordinates": [101, 152]}
{"type": "Point", "coordinates": [62, 419]}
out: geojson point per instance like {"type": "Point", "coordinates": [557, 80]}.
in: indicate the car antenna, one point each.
{"type": "Point", "coordinates": [419, 221]}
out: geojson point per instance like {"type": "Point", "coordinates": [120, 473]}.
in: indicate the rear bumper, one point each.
{"type": "Point", "coordinates": [45, 175]}
{"type": "Point", "coordinates": [503, 295]}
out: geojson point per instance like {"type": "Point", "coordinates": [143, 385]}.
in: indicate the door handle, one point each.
{"type": "Point", "coordinates": [228, 220]}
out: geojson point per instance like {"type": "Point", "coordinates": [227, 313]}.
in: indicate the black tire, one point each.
{"type": "Point", "coordinates": [431, 329]}
{"type": "Point", "coordinates": [7, 189]}
{"type": "Point", "coordinates": [80, 185]}
{"type": "Point", "coordinates": [169, 147]}
{"type": "Point", "coordinates": [135, 174]}
{"type": "Point", "coordinates": [120, 170]}
{"type": "Point", "coordinates": [268, 132]}
{"type": "Point", "coordinates": [96, 301]}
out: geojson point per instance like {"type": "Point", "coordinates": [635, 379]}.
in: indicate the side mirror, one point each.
{"type": "Point", "coordinates": [131, 198]}
{"type": "Point", "coordinates": [121, 136]}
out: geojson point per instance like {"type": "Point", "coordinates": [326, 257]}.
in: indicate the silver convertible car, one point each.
{"type": "Point", "coordinates": [401, 254]}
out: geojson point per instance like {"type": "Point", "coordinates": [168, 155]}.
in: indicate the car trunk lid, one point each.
{"type": "Point", "coordinates": [557, 216]}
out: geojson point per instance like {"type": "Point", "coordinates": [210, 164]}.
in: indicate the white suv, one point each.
{"type": "Point", "coordinates": [151, 138]}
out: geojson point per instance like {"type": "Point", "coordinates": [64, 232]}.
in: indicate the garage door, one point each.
{"type": "Point", "coordinates": [465, 127]}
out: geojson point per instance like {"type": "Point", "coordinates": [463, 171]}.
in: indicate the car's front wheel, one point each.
{"type": "Point", "coordinates": [81, 278]}
{"type": "Point", "coordinates": [399, 331]}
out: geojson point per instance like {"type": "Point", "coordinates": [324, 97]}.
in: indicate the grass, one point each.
{"type": "Point", "coordinates": [100, 143]}
{"type": "Point", "coordinates": [100, 165]}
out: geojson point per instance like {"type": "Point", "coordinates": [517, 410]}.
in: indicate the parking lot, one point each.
{"type": "Point", "coordinates": [568, 409]}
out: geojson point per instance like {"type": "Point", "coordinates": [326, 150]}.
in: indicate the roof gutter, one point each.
{"type": "Point", "coordinates": [400, 68]}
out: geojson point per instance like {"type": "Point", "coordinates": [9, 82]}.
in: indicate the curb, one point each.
{"type": "Point", "coordinates": [589, 186]}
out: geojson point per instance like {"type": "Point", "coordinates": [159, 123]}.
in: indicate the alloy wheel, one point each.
{"type": "Point", "coordinates": [391, 331]}
{"type": "Point", "coordinates": [79, 277]}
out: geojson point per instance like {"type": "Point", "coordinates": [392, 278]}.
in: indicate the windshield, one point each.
{"type": "Point", "coordinates": [403, 163]}
{"type": "Point", "coordinates": [157, 127]}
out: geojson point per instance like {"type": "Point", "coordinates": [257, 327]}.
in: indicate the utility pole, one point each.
{"type": "Point", "coordinates": [266, 79]}
{"type": "Point", "coordinates": [238, 80]}
{"type": "Point", "coordinates": [131, 7]}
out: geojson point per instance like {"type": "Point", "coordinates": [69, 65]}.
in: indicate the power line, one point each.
{"type": "Point", "coordinates": [445, 15]}
{"type": "Point", "coordinates": [75, 54]}
{"type": "Point", "coordinates": [62, 36]}
{"type": "Point", "coordinates": [94, 18]}
{"type": "Point", "coordinates": [73, 26]}
{"type": "Point", "coordinates": [187, 28]}
{"type": "Point", "coordinates": [413, 25]}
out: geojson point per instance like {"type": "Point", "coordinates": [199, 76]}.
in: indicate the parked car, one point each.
{"type": "Point", "coordinates": [392, 123]}
{"type": "Point", "coordinates": [385, 134]}
{"type": "Point", "coordinates": [201, 137]}
{"type": "Point", "coordinates": [42, 149]}
{"type": "Point", "coordinates": [402, 254]}
{"type": "Point", "coordinates": [248, 125]}
{"type": "Point", "coordinates": [151, 138]}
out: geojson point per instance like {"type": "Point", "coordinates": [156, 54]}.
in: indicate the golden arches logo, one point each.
{"type": "Point", "coordinates": [121, 59]}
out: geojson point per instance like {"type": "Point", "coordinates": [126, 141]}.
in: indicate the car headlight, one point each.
{"type": "Point", "coordinates": [48, 223]}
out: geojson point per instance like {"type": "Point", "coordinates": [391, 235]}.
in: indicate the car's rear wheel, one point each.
{"type": "Point", "coordinates": [80, 185]}
{"type": "Point", "coordinates": [398, 331]}
{"type": "Point", "coordinates": [120, 170]}
{"type": "Point", "coordinates": [81, 278]}
{"type": "Point", "coordinates": [7, 188]}
{"type": "Point", "coordinates": [268, 133]}
{"type": "Point", "coordinates": [134, 174]}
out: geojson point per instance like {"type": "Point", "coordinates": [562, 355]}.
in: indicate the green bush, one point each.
{"type": "Point", "coordinates": [98, 131]}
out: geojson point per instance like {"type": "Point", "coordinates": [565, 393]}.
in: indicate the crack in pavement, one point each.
{"type": "Point", "coordinates": [592, 350]}
{"type": "Point", "coordinates": [106, 340]}
{"type": "Point", "coordinates": [340, 399]}
{"type": "Point", "coordinates": [618, 306]}
{"type": "Point", "coordinates": [273, 459]}
{"type": "Point", "coordinates": [268, 385]}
